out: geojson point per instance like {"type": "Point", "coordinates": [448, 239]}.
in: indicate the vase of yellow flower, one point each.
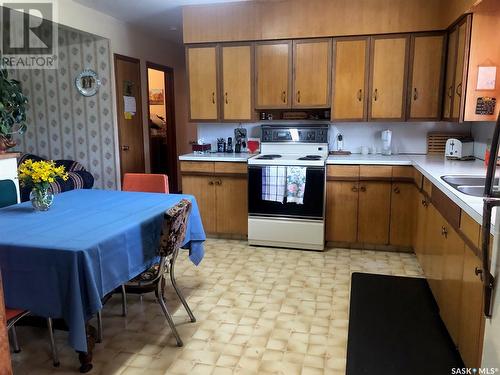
{"type": "Point", "coordinates": [39, 175]}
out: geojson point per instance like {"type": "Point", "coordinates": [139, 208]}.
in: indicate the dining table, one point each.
{"type": "Point", "coordinates": [60, 263]}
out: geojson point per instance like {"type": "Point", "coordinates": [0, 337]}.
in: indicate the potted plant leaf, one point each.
{"type": "Point", "coordinates": [12, 110]}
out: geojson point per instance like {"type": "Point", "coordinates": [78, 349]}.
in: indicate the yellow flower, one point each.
{"type": "Point", "coordinates": [32, 173]}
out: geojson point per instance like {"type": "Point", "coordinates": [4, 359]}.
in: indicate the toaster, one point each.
{"type": "Point", "coordinates": [459, 149]}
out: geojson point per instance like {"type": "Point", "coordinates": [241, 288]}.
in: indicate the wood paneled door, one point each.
{"type": "Point", "coordinates": [232, 205]}
{"type": "Point", "coordinates": [311, 73]}
{"type": "Point", "coordinates": [402, 214]}
{"type": "Point", "coordinates": [388, 73]}
{"type": "Point", "coordinates": [130, 125]}
{"type": "Point", "coordinates": [202, 73]}
{"type": "Point", "coordinates": [350, 81]}
{"type": "Point", "coordinates": [426, 74]}
{"type": "Point", "coordinates": [374, 212]}
{"type": "Point", "coordinates": [203, 188]}
{"type": "Point", "coordinates": [342, 211]}
{"type": "Point", "coordinates": [237, 82]}
{"type": "Point", "coordinates": [273, 69]}
{"type": "Point", "coordinates": [451, 61]}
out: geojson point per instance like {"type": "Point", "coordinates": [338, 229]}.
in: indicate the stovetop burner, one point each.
{"type": "Point", "coordinates": [269, 157]}
{"type": "Point", "coordinates": [310, 157]}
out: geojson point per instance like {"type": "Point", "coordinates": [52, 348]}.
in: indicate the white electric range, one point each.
{"type": "Point", "coordinates": [282, 223]}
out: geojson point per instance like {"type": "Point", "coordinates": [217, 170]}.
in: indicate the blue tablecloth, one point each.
{"type": "Point", "coordinates": [60, 263]}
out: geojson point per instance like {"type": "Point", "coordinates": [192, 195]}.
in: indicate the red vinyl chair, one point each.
{"type": "Point", "coordinates": [13, 316]}
{"type": "Point", "coordinates": [146, 183]}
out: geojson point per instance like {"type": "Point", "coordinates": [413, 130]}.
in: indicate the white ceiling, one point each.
{"type": "Point", "coordinates": [161, 17]}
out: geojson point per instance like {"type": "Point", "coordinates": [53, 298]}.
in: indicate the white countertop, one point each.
{"type": "Point", "coordinates": [432, 167]}
{"type": "Point", "coordinates": [217, 156]}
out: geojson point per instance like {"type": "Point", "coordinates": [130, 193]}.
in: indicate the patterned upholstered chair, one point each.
{"type": "Point", "coordinates": [79, 177]}
{"type": "Point", "coordinates": [153, 280]}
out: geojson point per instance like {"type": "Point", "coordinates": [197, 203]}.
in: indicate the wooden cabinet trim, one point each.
{"type": "Point", "coordinates": [410, 76]}
{"type": "Point", "coordinates": [217, 75]}
{"type": "Point", "coordinates": [365, 93]}
{"type": "Point", "coordinates": [295, 42]}
{"type": "Point", "coordinates": [252, 81]}
{"type": "Point", "coordinates": [405, 76]}
{"type": "Point", "coordinates": [288, 104]}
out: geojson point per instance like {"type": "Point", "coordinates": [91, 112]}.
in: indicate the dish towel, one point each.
{"type": "Point", "coordinates": [295, 184]}
{"type": "Point", "coordinates": [273, 183]}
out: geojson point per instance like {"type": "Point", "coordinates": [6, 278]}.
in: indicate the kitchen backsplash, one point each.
{"type": "Point", "coordinates": [408, 137]}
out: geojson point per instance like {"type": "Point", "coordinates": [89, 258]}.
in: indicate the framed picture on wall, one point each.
{"type": "Point", "coordinates": [156, 97]}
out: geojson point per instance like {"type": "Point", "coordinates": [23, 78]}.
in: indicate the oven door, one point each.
{"type": "Point", "coordinates": [314, 196]}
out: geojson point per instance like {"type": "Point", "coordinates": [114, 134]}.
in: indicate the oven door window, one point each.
{"type": "Point", "coordinates": [312, 207]}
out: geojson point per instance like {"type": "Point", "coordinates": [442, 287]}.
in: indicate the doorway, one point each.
{"type": "Point", "coordinates": [161, 122]}
{"type": "Point", "coordinates": [129, 107]}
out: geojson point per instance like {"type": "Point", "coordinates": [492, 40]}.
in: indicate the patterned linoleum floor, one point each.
{"type": "Point", "coordinates": [259, 311]}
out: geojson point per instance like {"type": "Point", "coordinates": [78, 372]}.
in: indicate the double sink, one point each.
{"type": "Point", "coordinates": [470, 185]}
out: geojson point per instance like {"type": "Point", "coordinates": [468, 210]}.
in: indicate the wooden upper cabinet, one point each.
{"type": "Point", "coordinates": [350, 81]}
{"type": "Point", "coordinates": [273, 63]}
{"type": "Point", "coordinates": [451, 61]}
{"type": "Point", "coordinates": [457, 61]}
{"type": "Point", "coordinates": [236, 61]}
{"type": "Point", "coordinates": [461, 69]}
{"type": "Point", "coordinates": [388, 77]}
{"type": "Point", "coordinates": [424, 92]}
{"type": "Point", "coordinates": [311, 68]}
{"type": "Point", "coordinates": [202, 72]}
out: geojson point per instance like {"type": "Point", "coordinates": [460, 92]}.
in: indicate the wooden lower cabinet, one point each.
{"type": "Point", "coordinates": [220, 190]}
{"type": "Point", "coordinates": [403, 206]}
{"type": "Point", "coordinates": [451, 283]}
{"type": "Point", "coordinates": [433, 254]}
{"type": "Point", "coordinates": [472, 320]}
{"type": "Point", "coordinates": [203, 188]}
{"type": "Point", "coordinates": [419, 243]}
{"type": "Point", "coordinates": [374, 212]}
{"type": "Point", "coordinates": [231, 205]}
{"type": "Point", "coordinates": [342, 211]}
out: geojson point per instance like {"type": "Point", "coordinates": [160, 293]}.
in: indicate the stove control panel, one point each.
{"type": "Point", "coordinates": [302, 134]}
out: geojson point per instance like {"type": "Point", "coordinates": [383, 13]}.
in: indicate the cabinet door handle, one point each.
{"type": "Point", "coordinates": [415, 94]}
{"type": "Point", "coordinates": [125, 148]}
{"type": "Point", "coordinates": [354, 189]}
{"type": "Point", "coordinates": [213, 97]}
{"type": "Point", "coordinates": [375, 95]}
{"type": "Point", "coordinates": [396, 190]}
{"type": "Point", "coordinates": [444, 231]}
{"type": "Point", "coordinates": [210, 182]}
{"type": "Point", "coordinates": [298, 96]}
{"type": "Point", "coordinates": [459, 89]}
{"type": "Point", "coordinates": [479, 272]}
{"type": "Point", "coordinates": [283, 96]}
{"type": "Point", "coordinates": [360, 95]}
{"type": "Point", "coordinates": [225, 95]}
{"type": "Point", "coordinates": [363, 188]}
{"type": "Point", "coordinates": [450, 92]}
{"type": "Point", "coordinates": [424, 202]}
{"type": "Point", "coordinates": [218, 182]}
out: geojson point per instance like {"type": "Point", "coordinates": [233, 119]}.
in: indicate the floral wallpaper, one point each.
{"type": "Point", "coordinates": [63, 124]}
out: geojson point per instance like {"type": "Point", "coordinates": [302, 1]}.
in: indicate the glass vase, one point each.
{"type": "Point", "coordinates": [41, 198]}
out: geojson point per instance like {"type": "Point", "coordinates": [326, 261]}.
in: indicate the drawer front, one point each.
{"type": "Point", "coordinates": [446, 207]}
{"type": "Point", "coordinates": [427, 186]}
{"type": "Point", "coordinates": [400, 173]}
{"type": "Point", "coordinates": [418, 178]}
{"type": "Point", "coordinates": [230, 168]}
{"type": "Point", "coordinates": [342, 171]}
{"type": "Point", "coordinates": [375, 171]}
{"type": "Point", "coordinates": [197, 166]}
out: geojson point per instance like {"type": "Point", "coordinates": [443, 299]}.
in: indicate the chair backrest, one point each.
{"type": "Point", "coordinates": [146, 183]}
{"type": "Point", "coordinates": [8, 193]}
{"type": "Point", "coordinates": [174, 228]}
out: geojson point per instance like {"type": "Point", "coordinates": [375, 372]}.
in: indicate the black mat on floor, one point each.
{"type": "Point", "coordinates": [395, 329]}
